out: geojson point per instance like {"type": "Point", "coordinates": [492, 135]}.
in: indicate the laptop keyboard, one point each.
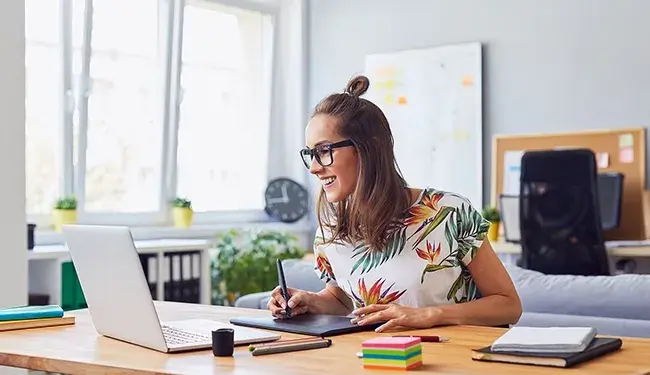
{"type": "Point", "coordinates": [175, 337]}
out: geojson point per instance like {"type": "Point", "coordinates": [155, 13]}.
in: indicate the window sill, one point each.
{"type": "Point", "coordinates": [198, 231]}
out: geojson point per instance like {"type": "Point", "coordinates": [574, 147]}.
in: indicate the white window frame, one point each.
{"type": "Point", "coordinates": [270, 29]}
{"type": "Point", "coordinates": [170, 16]}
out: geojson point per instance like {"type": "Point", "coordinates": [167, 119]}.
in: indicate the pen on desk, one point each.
{"type": "Point", "coordinates": [321, 343]}
{"type": "Point", "coordinates": [428, 338]}
{"type": "Point", "coordinates": [283, 287]}
{"type": "Point", "coordinates": [252, 347]}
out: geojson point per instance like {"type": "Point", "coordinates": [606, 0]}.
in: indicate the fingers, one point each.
{"type": "Point", "coordinates": [297, 299]}
{"type": "Point", "coordinates": [276, 296]}
{"type": "Point", "coordinates": [369, 309]}
{"type": "Point", "coordinates": [388, 325]}
{"type": "Point", "coordinates": [376, 317]}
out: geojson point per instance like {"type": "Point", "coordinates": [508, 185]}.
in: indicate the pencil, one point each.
{"type": "Point", "coordinates": [292, 347]}
{"type": "Point", "coordinates": [285, 342]}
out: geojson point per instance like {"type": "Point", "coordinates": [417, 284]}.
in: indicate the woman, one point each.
{"type": "Point", "coordinates": [409, 257]}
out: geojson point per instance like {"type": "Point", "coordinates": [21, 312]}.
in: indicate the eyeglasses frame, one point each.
{"type": "Point", "coordinates": [312, 152]}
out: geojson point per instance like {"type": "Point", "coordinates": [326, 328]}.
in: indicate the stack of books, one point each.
{"type": "Point", "coordinates": [396, 353]}
{"type": "Point", "coordinates": [547, 346]}
{"type": "Point", "coordinates": [24, 317]}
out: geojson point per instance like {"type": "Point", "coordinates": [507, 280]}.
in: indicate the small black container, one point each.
{"type": "Point", "coordinates": [30, 236]}
{"type": "Point", "coordinates": [223, 342]}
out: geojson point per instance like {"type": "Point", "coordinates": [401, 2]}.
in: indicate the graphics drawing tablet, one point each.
{"type": "Point", "coordinates": [307, 324]}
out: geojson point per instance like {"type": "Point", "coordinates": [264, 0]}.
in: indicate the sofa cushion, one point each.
{"type": "Point", "coordinates": [619, 296]}
{"type": "Point", "coordinates": [300, 275]}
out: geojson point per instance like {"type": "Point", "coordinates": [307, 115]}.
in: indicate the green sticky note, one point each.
{"type": "Point", "coordinates": [625, 140]}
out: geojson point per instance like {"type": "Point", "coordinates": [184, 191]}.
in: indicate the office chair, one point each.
{"type": "Point", "coordinates": [560, 221]}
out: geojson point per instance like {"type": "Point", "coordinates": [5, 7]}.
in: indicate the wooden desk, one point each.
{"type": "Point", "coordinates": [626, 251]}
{"type": "Point", "coordinates": [79, 349]}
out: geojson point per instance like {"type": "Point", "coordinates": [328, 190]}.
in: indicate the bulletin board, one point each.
{"type": "Point", "coordinates": [620, 150]}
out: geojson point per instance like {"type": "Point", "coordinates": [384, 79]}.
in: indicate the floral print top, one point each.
{"type": "Point", "coordinates": [424, 263]}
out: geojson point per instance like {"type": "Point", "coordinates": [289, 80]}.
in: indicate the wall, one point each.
{"type": "Point", "coordinates": [549, 65]}
{"type": "Point", "coordinates": [13, 253]}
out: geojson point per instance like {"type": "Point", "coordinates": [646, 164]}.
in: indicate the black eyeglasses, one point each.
{"type": "Point", "coordinates": [322, 153]}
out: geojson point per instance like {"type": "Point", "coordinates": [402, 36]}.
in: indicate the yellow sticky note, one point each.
{"type": "Point", "coordinates": [468, 81]}
{"type": "Point", "coordinates": [389, 99]}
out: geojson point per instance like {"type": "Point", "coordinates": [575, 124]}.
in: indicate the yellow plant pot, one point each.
{"type": "Point", "coordinates": [183, 217]}
{"type": "Point", "coordinates": [493, 231]}
{"type": "Point", "coordinates": [63, 217]}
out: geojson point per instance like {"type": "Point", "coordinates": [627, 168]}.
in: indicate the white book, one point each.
{"type": "Point", "coordinates": [545, 339]}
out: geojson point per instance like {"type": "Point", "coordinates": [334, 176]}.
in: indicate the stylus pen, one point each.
{"type": "Point", "coordinates": [292, 347]}
{"type": "Point", "coordinates": [283, 287]}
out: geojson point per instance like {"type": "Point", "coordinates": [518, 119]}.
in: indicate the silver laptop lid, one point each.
{"type": "Point", "coordinates": [114, 284]}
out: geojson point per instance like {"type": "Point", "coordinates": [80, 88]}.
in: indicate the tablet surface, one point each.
{"type": "Point", "coordinates": [306, 324]}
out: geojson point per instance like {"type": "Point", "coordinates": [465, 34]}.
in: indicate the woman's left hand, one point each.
{"type": "Point", "coordinates": [396, 315]}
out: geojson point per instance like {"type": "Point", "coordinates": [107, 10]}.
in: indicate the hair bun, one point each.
{"type": "Point", "coordinates": [357, 86]}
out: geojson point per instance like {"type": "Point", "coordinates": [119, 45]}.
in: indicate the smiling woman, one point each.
{"type": "Point", "coordinates": [413, 257]}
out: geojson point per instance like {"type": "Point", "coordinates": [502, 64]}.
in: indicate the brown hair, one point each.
{"type": "Point", "coordinates": [381, 195]}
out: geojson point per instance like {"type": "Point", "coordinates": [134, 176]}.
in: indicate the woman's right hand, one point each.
{"type": "Point", "coordinates": [299, 302]}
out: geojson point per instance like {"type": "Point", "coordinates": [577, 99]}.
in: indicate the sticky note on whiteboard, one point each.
{"type": "Point", "coordinates": [468, 80]}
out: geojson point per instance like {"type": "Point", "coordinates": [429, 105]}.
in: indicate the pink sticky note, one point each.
{"type": "Point", "coordinates": [391, 342]}
{"type": "Point", "coordinates": [626, 155]}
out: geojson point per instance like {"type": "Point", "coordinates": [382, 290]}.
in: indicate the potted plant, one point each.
{"type": "Point", "coordinates": [65, 212]}
{"type": "Point", "coordinates": [492, 215]}
{"type": "Point", "coordinates": [244, 262]}
{"type": "Point", "coordinates": [183, 212]}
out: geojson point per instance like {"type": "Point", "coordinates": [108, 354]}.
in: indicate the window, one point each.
{"type": "Point", "coordinates": [131, 103]}
{"type": "Point", "coordinates": [43, 104]}
{"type": "Point", "coordinates": [224, 108]}
{"type": "Point", "coordinates": [123, 135]}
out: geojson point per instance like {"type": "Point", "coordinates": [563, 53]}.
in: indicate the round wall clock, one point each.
{"type": "Point", "coordinates": [286, 200]}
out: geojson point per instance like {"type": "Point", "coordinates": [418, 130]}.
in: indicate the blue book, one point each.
{"type": "Point", "coordinates": [31, 312]}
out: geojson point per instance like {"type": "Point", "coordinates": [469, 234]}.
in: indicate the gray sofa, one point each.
{"type": "Point", "coordinates": [615, 305]}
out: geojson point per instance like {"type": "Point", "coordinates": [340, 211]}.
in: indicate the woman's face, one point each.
{"type": "Point", "coordinates": [340, 177]}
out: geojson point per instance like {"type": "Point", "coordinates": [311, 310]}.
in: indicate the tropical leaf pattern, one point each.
{"type": "Point", "coordinates": [441, 232]}
{"type": "Point", "coordinates": [324, 267]}
{"type": "Point", "coordinates": [369, 259]}
{"type": "Point", "coordinates": [375, 295]}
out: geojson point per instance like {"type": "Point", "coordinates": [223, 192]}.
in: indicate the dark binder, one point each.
{"type": "Point", "coordinates": [598, 347]}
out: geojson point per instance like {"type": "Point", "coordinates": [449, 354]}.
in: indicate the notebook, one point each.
{"type": "Point", "coordinates": [545, 339]}
{"type": "Point", "coordinates": [11, 325]}
{"type": "Point", "coordinates": [30, 312]}
{"type": "Point", "coordinates": [597, 348]}
{"type": "Point", "coordinates": [306, 324]}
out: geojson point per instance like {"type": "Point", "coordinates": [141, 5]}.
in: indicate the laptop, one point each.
{"type": "Point", "coordinates": [119, 300]}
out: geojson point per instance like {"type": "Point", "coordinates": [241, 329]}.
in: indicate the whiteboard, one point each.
{"type": "Point", "coordinates": [433, 101]}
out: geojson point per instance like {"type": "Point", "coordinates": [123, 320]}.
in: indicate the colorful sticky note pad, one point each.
{"type": "Point", "coordinates": [396, 353]}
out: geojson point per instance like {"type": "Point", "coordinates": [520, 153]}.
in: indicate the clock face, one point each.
{"type": "Point", "coordinates": [286, 200]}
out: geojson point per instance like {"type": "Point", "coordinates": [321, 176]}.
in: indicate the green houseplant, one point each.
{"type": "Point", "coordinates": [64, 212]}
{"type": "Point", "coordinates": [492, 215]}
{"type": "Point", "coordinates": [182, 212]}
{"type": "Point", "coordinates": [244, 262]}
